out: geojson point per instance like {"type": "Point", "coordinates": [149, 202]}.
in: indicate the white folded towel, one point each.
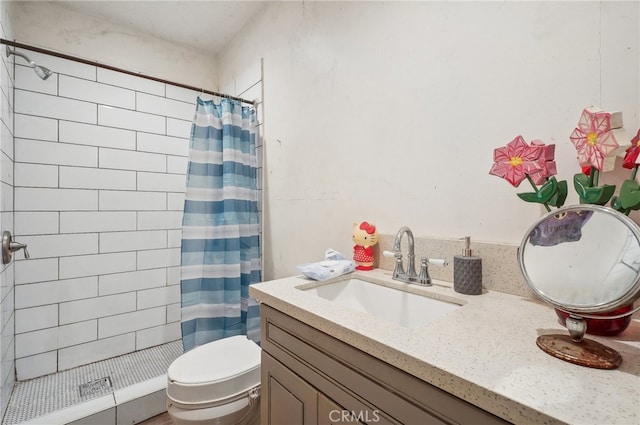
{"type": "Point", "coordinates": [333, 265]}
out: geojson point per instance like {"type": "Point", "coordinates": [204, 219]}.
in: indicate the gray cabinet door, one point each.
{"type": "Point", "coordinates": [286, 399]}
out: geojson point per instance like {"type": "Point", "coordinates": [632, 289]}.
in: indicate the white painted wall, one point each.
{"type": "Point", "coordinates": [55, 27]}
{"type": "Point", "coordinates": [390, 111]}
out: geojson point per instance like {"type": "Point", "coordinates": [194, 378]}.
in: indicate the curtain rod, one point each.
{"type": "Point", "coordinates": [124, 71]}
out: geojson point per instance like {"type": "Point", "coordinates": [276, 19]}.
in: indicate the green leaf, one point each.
{"type": "Point", "coordinates": [544, 193]}
{"type": "Point", "coordinates": [529, 196]}
{"type": "Point", "coordinates": [598, 195]}
{"type": "Point", "coordinates": [616, 205]}
{"type": "Point", "coordinates": [558, 198]}
{"type": "Point", "coordinates": [547, 190]}
{"type": "Point", "coordinates": [629, 194]}
{"type": "Point", "coordinates": [581, 184]}
{"type": "Point", "coordinates": [607, 192]}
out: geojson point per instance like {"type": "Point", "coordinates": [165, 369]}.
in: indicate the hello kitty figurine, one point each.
{"type": "Point", "coordinates": [365, 237]}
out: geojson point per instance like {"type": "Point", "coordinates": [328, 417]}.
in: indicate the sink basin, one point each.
{"type": "Point", "coordinates": [393, 305]}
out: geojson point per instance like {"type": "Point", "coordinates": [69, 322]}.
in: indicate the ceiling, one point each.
{"type": "Point", "coordinates": [205, 25]}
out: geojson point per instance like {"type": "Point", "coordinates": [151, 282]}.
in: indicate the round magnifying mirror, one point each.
{"type": "Point", "coordinates": [584, 260]}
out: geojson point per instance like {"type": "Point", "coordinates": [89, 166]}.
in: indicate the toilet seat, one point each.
{"type": "Point", "coordinates": [215, 373]}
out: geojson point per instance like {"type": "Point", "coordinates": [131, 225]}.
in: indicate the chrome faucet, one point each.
{"type": "Point", "coordinates": [410, 276]}
{"type": "Point", "coordinates": [398, 272]}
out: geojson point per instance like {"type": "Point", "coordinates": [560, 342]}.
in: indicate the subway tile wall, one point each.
{"type": "Point", "coordinates": [7, 271]}
{"type": "Point", "coordinates": [100, 163]}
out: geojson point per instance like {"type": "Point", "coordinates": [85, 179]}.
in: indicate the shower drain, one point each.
{"type": "Point", "coordinates": [95, 386]}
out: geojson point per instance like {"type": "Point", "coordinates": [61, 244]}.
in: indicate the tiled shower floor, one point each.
{"type": "Point", "coordinates": [47, 394]}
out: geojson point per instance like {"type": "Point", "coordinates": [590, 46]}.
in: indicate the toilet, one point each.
{"type": "Point", "coordinates": [216, 383]}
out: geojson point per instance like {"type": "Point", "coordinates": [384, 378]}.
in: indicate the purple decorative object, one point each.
{"type": "Point", "coordinates": [560, 228]}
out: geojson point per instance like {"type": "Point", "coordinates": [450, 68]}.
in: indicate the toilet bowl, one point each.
{"type": "Point", "coordinates": [216, 383]}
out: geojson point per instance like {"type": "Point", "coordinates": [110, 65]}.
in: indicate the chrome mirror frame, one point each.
{"type": "Point", "coordinates": [574, 348]}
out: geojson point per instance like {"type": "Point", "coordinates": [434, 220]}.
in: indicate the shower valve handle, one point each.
{"type": "Point", "coordinates": [9, 247]}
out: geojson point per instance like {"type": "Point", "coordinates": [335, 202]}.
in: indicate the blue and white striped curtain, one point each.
{"type": "Point", "coordinates": [220, 227]}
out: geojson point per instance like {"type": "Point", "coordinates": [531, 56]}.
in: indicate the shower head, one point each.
{"type": "Point", "coordinates": [41, 71]}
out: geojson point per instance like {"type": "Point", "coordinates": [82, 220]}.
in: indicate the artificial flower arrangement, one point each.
{"type": "Point", "coordinates": [596, 146]}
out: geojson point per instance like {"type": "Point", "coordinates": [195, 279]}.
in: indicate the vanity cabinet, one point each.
{"type": "Point", "coordinates": [293, 401]}
{"type": "Point", "coordinates": [310, 377]}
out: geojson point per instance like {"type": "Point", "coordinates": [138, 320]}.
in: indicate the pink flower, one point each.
{"type": "Point", "coordinates": [593, 138]}
{"type": "Point", "coordinates": [517, 159]}
{"type": "Point", "coordinates": [548, 162]}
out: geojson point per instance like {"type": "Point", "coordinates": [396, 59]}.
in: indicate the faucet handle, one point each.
{"type": "Point", "coordinates": [9, 246]}
{"type": "Point", "coordinates": [391, 253]}
{"type": "Point", "coordinates": [399, 268]}
{"type": "Point", "coordinates": [423, 277]}
{"type": "Point", "coordinates": [15, 246]}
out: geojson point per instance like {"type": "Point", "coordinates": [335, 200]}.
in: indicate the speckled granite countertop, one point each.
{"type": "Point", "coordinates": [484, 352]}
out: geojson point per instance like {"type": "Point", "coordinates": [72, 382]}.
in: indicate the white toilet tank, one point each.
{"type": "Point", "coordinates": [216, 383]}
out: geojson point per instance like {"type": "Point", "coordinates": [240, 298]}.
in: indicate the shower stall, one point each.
{"type": "Point", "coordinates": [99, 161]}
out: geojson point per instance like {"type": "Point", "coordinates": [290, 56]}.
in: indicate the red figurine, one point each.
{"type": "Point", "coordinates": [365, 237]}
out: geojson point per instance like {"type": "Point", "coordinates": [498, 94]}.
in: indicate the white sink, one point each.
{"type": "Point", "coordinates": [394, 305]}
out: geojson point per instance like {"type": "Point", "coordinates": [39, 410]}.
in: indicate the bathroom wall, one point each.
{"type": "Point", "coordinates": [53, 26]}
{"type": "Point", "coordinates": [100, 163]}
{"type": "Point", "coordinates": [65, 319]}
{"type": "Point", "coordinates": [100, 175]}
{"type": "Point", "coordinates": [390, 111]}
{"type": "Point", "coordinates": [7, 316]}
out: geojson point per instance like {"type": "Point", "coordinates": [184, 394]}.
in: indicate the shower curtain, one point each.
{"type": "Point", "coordinates": [220, 253]}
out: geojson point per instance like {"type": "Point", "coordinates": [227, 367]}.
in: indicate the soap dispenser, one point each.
{"type": "Point", "coordinates": [467, 271]}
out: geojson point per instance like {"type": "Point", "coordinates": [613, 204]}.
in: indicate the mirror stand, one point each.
{"type": "Point", "coordinates": [575, 349]}
{"type": "Point", "coordinates": [584, 260]}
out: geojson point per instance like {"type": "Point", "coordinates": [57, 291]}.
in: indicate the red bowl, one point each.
{"type": "Point", "coordinates": [604, 327]}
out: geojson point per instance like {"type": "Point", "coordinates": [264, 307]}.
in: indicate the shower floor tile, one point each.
{"type": "Point", "coordinates": [40, 396]}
